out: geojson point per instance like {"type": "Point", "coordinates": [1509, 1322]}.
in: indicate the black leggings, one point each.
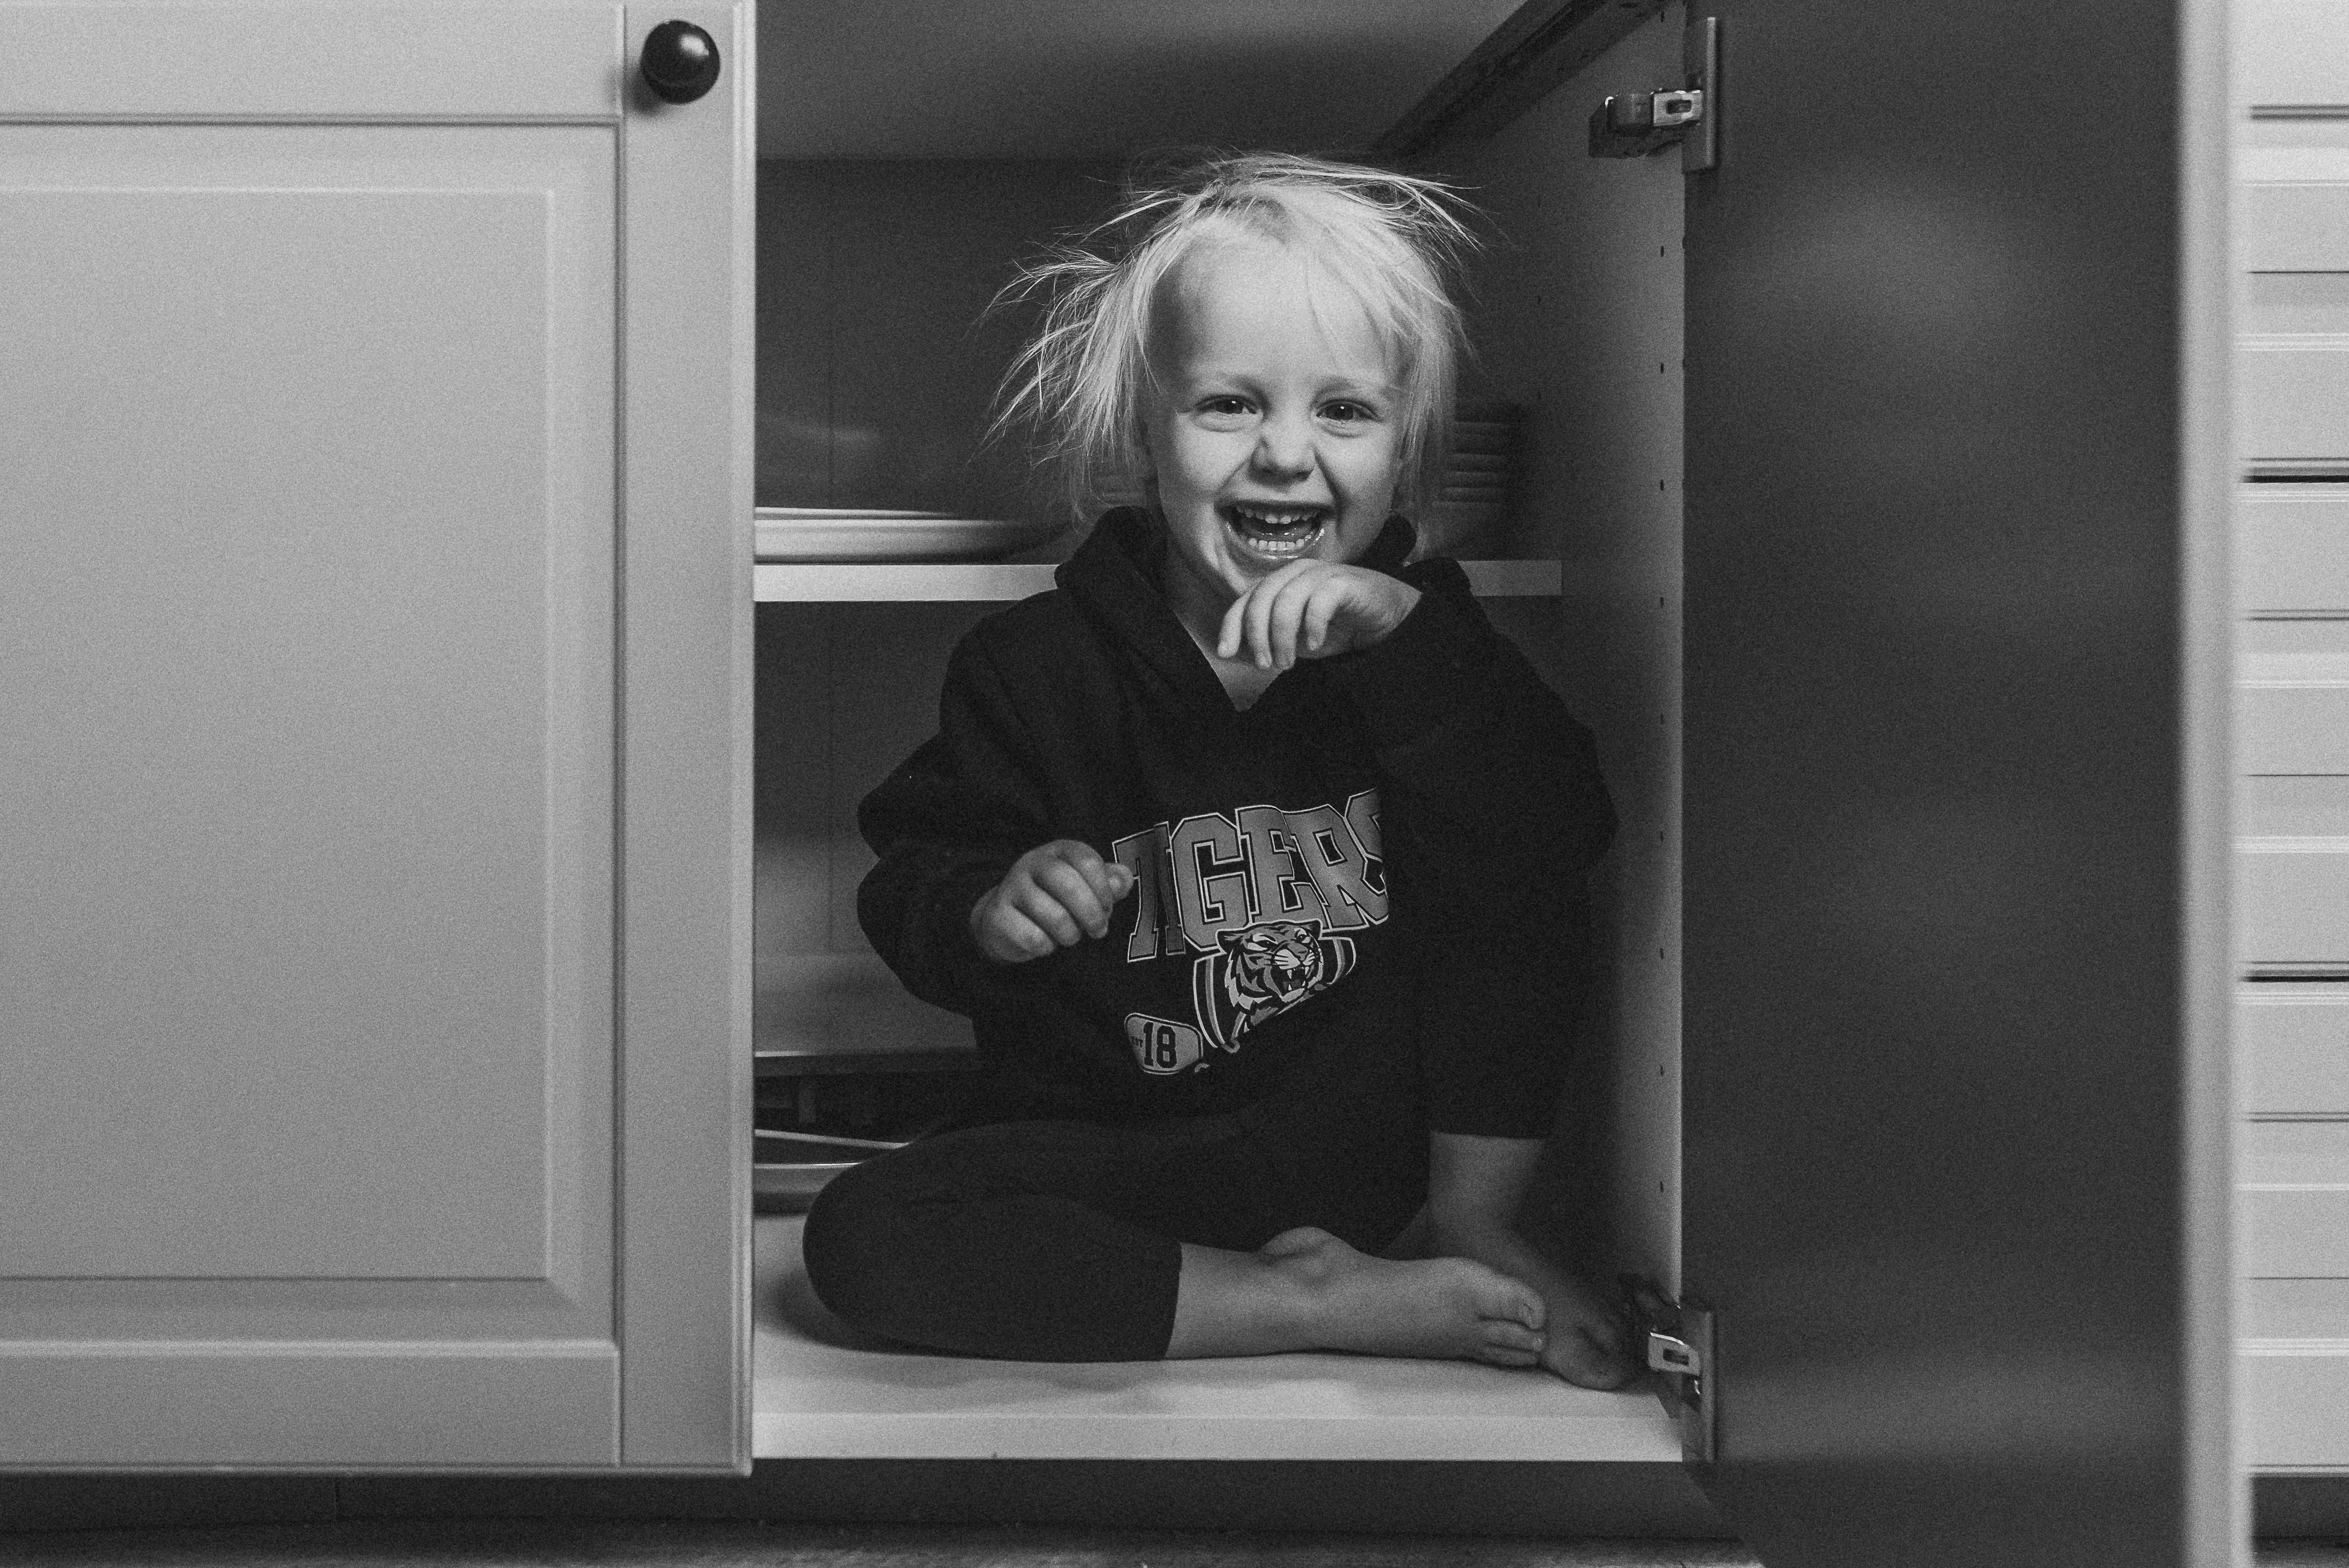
{"type": "Point", "coordinates": [1061, 1241]}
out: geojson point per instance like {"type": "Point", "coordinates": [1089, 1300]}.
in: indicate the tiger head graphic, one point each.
{"type": "Point", "coordinates": [1261, 971]}
{"type": "Point", "coordinates": [1272, 966]}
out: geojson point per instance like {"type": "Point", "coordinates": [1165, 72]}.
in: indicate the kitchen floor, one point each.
{"type": "Point", "coordinates": [662, 1544]}
{"type": "Point", "coordinates": [638, 1544]}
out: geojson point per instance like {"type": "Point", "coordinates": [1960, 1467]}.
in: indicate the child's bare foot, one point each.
{"type": "Point", "coordinates": [1586, 1345]}
{"type": "Point", "coordinates": [1438, 1308]}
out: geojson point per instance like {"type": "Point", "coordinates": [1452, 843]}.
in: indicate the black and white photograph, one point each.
{"type": "Point", "coordinates": [1117, 784]}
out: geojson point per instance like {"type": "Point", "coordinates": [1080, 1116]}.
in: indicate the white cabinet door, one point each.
{"type": "Point", "coordinates": [374, 610]}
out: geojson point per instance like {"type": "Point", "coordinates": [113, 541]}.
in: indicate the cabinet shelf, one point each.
{"type": "Point", "coordinates": [833, 582]}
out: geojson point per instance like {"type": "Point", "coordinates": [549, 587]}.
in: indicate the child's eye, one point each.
{"type": "Point", "coordinates": [1228, 407]}
{"type": "Point", "coordinates": [1344, 413]}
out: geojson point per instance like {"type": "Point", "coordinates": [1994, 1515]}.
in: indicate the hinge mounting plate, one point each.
{"type": "Point", "coordinates": [1679, 1338]}
{"type": "Point", "coordinates": [1632, 125]}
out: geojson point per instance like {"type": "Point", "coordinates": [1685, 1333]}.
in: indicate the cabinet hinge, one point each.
{"type": "Point", "coordinates": [1677, 1337]}
{"type": "Point", "coordinates": [1632, 125]}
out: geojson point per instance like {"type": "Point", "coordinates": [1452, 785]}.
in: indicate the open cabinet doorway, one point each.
{"type": "Point", "coordinates": [878, 257]}
{"type": "Point", "coordinates": [1949, 705]}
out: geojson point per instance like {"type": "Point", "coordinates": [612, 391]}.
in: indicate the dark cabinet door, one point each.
{"type": "Point", "coordinates": [1955, 1139]}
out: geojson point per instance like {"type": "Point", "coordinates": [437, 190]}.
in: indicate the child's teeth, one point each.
{"type": "Point", "coordinates": [1277, 518]}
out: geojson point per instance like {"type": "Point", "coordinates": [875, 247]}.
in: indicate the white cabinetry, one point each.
{"type": "Point", "coordinates": [374, 579]}
{"type": "Point", "coordinates": [2291, 730]}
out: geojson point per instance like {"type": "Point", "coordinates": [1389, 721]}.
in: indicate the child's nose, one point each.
{"type": "Point", "coordinates": [1284, 448]}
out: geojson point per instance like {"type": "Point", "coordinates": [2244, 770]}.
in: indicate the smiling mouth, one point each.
{"type": "Point", "coordinates": [1280, 531]}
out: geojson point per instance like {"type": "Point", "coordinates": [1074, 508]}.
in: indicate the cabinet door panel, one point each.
{"type": "Point", "coordinates": [1955, 962]}
{"type": "Point", "coordinates": [310, 607]}
{"type": "Point", "coordinates": [320, 817]}
{"type": "Point", "coordinates": [341, 905]}
{"type": "Point", "coordinates": [401, 59]}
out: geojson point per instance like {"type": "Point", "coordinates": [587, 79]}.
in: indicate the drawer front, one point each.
{"type": "Point", "coordinates": [2292, 902]}
{"type": "Point", "coordinates": [2292, 401]}
{"type": "Point", "coordinates": [2296, 226]}
{"type": "Point", "coordinates": [2294, 1040]}
{"type": "Point", "coordinates": [2292, 363]}
{"type": "Point", "coordinates": [2292, 1393]}
{"type": "Point", "coordinates": [2295, 1200]}
{"type": "Point", "coordinates": [2292, 725]}
{"type": "Point", "coordinates": [2291, 807]}
{"type": "Point", "coordinates": [2292, 549]}
{"type": "Point", "coordinates": [2288, 53]}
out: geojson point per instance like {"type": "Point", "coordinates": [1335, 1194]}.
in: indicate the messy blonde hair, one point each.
{"type": "Point", "coordinates": [1395, 244]}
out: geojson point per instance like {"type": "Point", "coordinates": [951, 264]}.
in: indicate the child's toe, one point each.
{"type": "Point", "coordinates": [1507, 1334]}
{"type": "Point", "coordinates": [1580, 1358]}
{"type": "Point", "coordinates": [1495, 1296]}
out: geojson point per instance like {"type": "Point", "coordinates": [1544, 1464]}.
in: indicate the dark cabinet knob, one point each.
{"type": "Point", "coordinates": [679, 62]}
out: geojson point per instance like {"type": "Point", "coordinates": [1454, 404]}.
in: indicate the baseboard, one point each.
{"type": "Point", "coordinates": [120, 1501]}
{"type": "Point", "coordinates": [1414, 1497]}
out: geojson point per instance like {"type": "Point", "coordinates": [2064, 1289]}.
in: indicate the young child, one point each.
{"type": "Point", "coordinates": [1254, 855]}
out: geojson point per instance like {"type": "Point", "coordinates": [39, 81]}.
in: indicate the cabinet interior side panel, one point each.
{"type": "Point", "coordinates": [791, 837]}
{"type": "Point", "coordinates": [1577, 319]}
{"type": "Point", "coordinates": [846, 692]}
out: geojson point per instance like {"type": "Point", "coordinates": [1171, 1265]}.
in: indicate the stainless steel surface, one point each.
{"type": "Point", "coordinates": [1632, 125]}
{"type": "Point", "coordinates": [1667, 1353]}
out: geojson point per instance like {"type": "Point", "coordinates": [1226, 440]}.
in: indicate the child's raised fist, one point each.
{"type": "Point", "coordinates": [1053, 896]}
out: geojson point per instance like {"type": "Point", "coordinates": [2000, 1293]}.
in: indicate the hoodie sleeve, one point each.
{"type": "Point", "coordinates": [1492, 814]}
{"type": "Point", "coordinates": [946, 824]}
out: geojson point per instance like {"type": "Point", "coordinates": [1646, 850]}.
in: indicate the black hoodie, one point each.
{"type": "Point", "coordinates": [1370, 881]}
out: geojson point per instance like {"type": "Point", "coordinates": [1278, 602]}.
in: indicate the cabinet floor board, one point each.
{"type": "Point", "coordinates": [822, 1393]}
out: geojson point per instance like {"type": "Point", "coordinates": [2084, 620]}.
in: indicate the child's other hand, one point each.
{"type": "Point", "coordinates": [1053, 896]}
{"type": "Point", "coordinates": [1312, 610]}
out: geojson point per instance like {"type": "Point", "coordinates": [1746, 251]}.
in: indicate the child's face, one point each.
{"type": "Point", "coordinates": [1275, 436]}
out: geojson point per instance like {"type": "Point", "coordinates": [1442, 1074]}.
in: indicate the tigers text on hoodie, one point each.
{"type": "Point", "coordinates": [1372, 880]}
